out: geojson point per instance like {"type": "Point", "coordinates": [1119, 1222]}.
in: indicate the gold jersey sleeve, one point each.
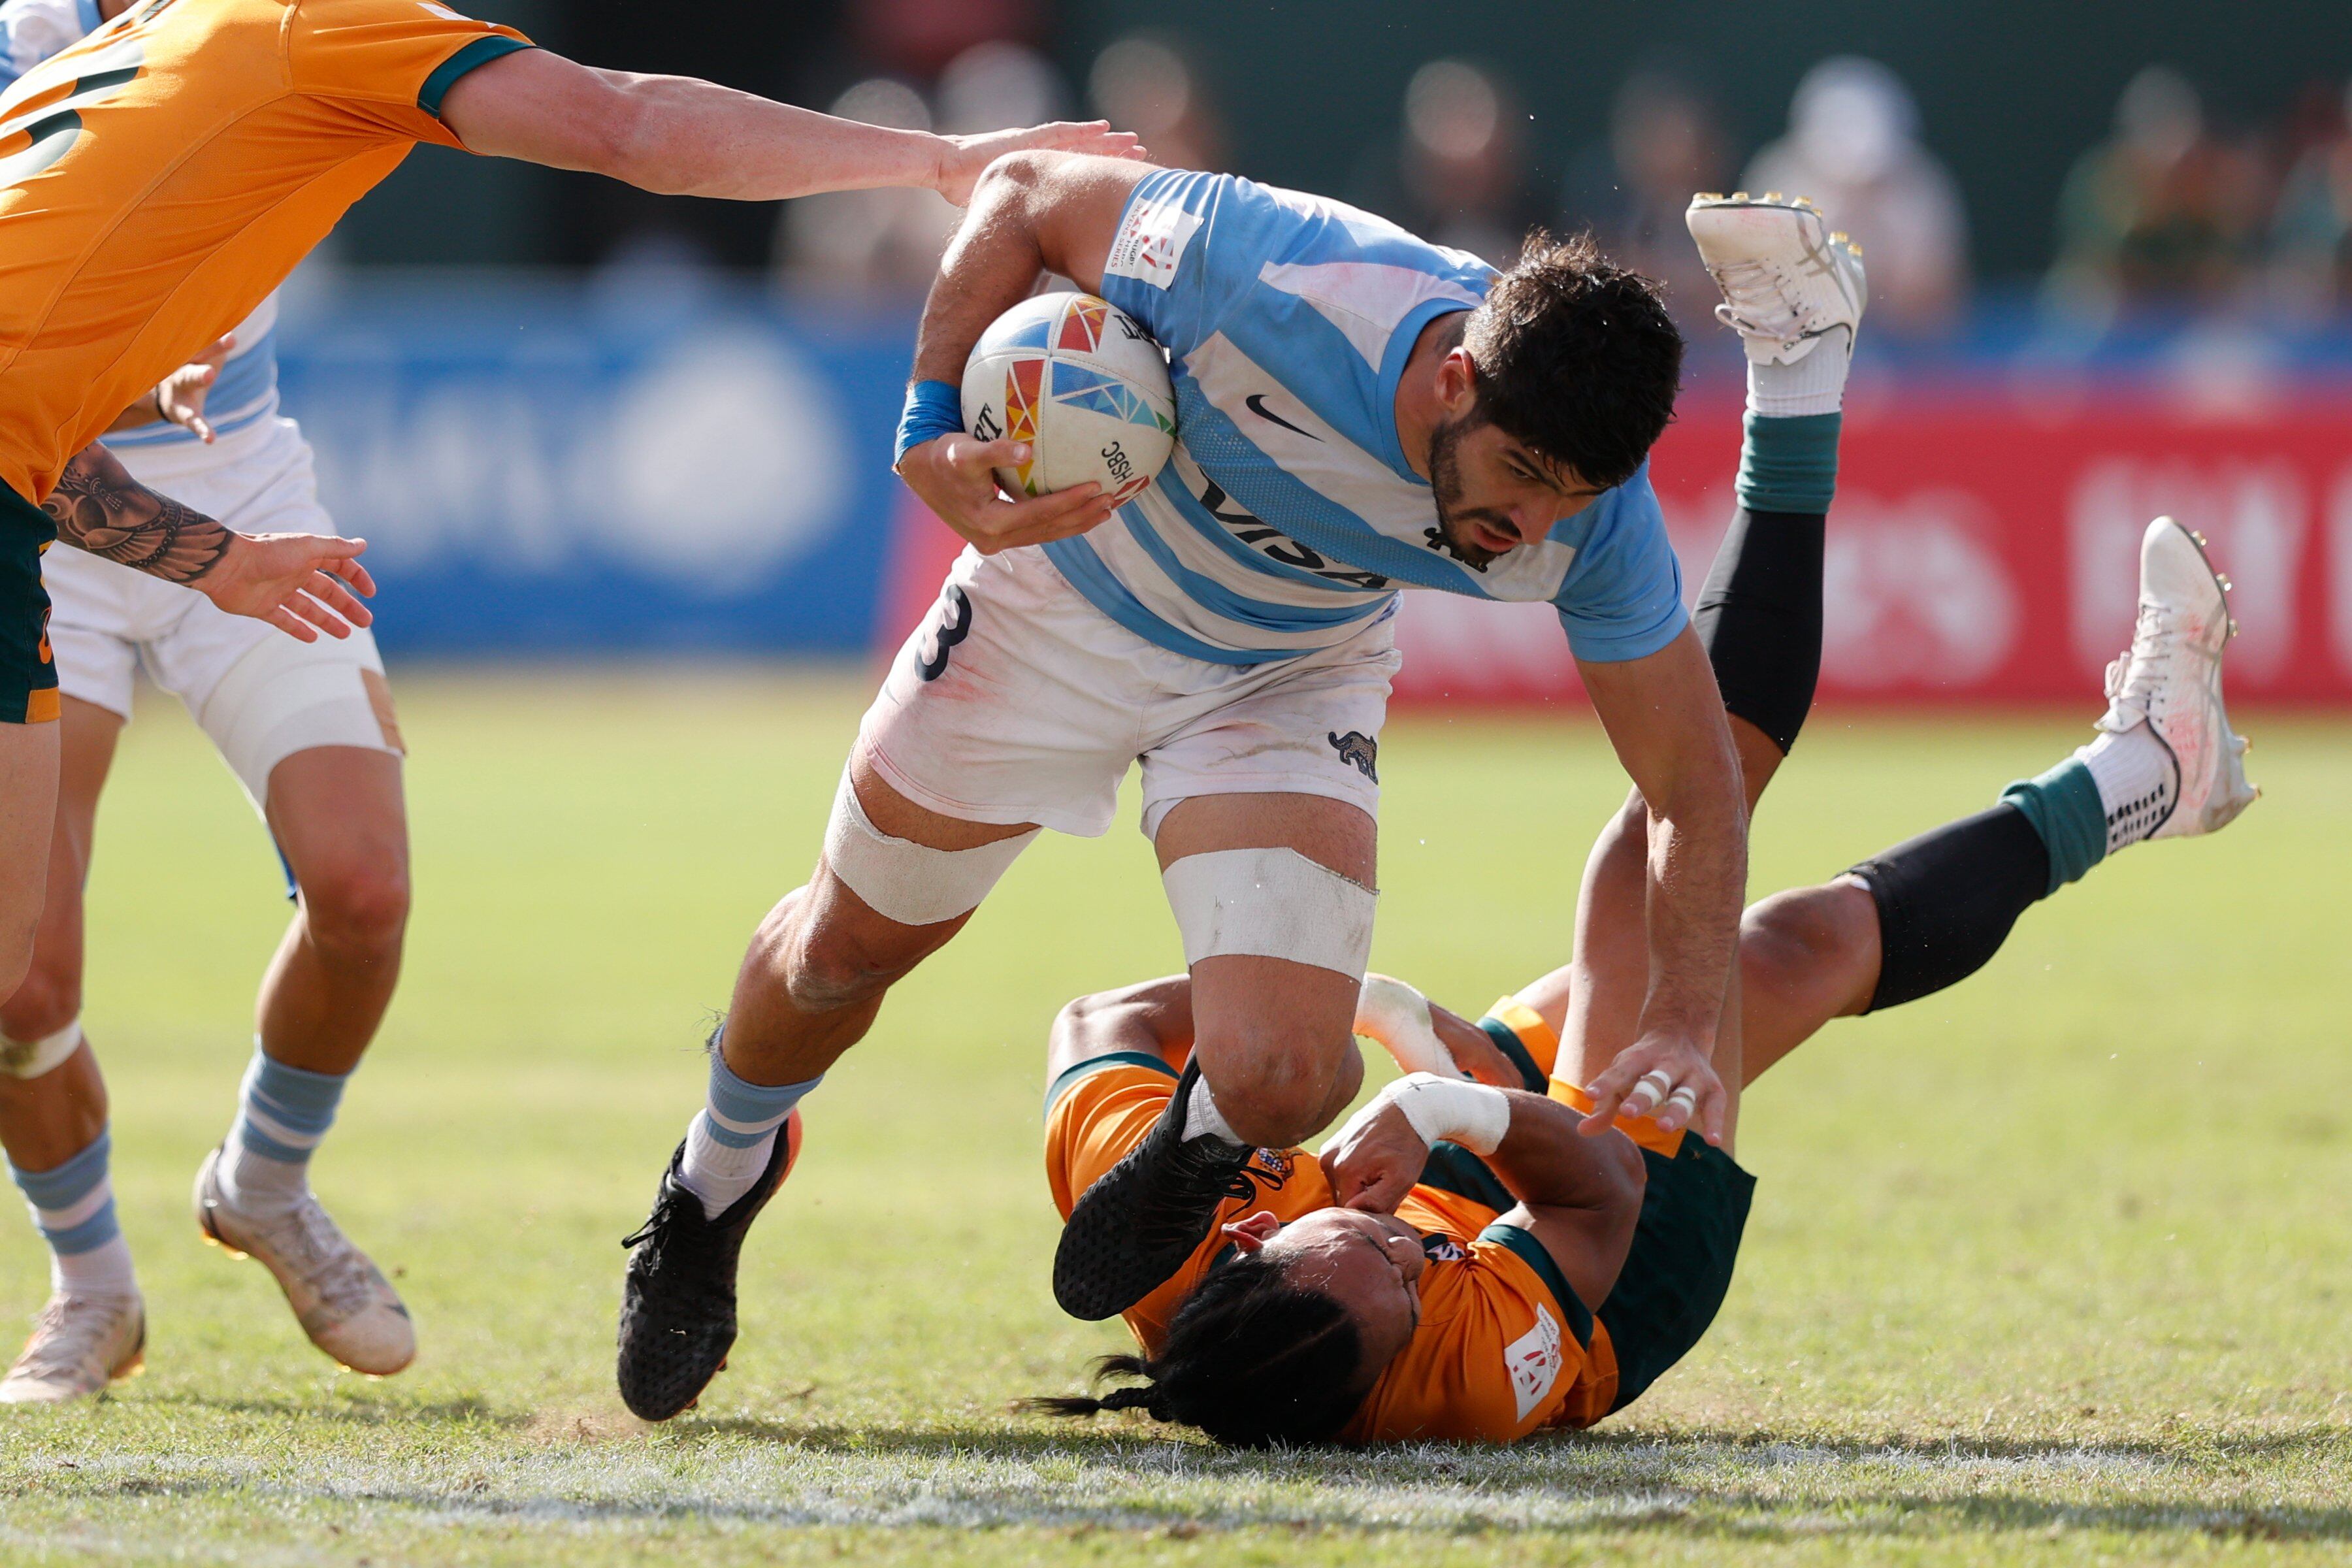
{"type": "Point", "coordinates": [161, 177]}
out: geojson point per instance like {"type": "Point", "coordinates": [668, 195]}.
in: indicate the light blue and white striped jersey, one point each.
{"type": "Point", "coordinates": [30, 32]}
{"type": "Point", "coordinates": [1288, 515]}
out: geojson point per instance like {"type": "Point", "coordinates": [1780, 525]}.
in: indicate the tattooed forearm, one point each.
{"type": "Point", "coordinates": [99, 508]}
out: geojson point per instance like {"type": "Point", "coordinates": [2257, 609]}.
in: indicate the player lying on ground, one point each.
{"type": "Point", "coordinates": [1462, 1263]}
{"type": "Point", "coordinates": [1359, 412]}
{"type": "Point", "coordinates": [157, 181]}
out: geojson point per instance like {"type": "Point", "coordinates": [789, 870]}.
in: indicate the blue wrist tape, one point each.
{"type": "Point", "coordinates": [933, 409]}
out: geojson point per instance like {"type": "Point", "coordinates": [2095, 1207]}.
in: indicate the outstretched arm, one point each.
{"type": "Point", "coordinates": [301, 583]}
{"type": "Point", "coordinates": [1665, 719]}
{"type": "Point", "coordinates": [679, 136]}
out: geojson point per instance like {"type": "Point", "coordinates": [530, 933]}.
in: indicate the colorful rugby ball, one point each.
{"type": "Point", "coordinates": [1083, 385]}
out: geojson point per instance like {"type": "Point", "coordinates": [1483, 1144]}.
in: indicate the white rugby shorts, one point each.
{"type": "Point", "coordinates": [1017, 700]}
{"type": "Point", "coordinates": [259, 694]}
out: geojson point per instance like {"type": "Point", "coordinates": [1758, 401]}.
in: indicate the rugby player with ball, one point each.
{"type": "Point", "coordinates": [1357, 412]}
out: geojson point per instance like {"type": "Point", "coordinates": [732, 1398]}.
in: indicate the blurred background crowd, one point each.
{"type": "Point", "coordinates": [2109, 244]}
{"type": "Point", "coordinates": [2102, 182]}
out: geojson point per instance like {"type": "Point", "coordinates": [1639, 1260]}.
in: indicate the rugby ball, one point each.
{"type": "Point", "coordinates": [1083, 385]}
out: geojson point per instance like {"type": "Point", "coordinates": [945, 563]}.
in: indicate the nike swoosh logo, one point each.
{"type": "Point", "coordinates": [1256, 403]}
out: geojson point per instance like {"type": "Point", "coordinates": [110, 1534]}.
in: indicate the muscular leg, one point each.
{"type": "Point", "coordinates": [47, 1121]}
{"type": "Point", "coordinates": [821, 963]}
{"type": "Point", "coordinates": [1274, 1037]}
{"type": "Point", "coordinates": [28, 802]}
{"type": "Point", "coordinates": [52, 1124]}
{"type": "Point", "coordinates": [338, 814]}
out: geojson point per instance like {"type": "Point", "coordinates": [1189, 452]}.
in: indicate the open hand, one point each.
{"type": "Point", "coordinates": [1667, 1077]}
{"type": "Point", "coordinates": [180, 396]}
{"type": "Point", "coordinates": [955, 476]}
{"type": "Point", "coordinates": [302, 584]}
{"type": "Point", "coordinates": [1375, 1159]}
{"type": "Point", "coordinates": [966, 156]}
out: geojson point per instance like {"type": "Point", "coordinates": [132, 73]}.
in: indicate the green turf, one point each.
{"type": "Point", "coordinates": [2053, 1268]}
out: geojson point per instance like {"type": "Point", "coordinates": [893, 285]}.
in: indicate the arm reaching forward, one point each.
{"type": "Point", "coordinates": [1665, 719]}
{"type": "Point", "coordinates": [679, 136]}
{"type": "Point", "coordinates": [302, 584]}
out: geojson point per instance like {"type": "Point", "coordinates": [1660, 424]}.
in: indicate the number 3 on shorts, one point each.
{"type": "Point", "coordinates": [950, 623]}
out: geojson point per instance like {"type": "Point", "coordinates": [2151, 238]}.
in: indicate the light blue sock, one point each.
{"type": "Point", "coordinates": [283, 1113]}
{"type": "Point", "coordinates": [730, 1140]}
{"type": "Point", "coordinates": [2064, 808]}
{"type": "Point", "coordinates": [73, 1209]}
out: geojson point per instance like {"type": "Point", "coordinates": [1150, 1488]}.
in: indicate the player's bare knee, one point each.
{"type": "Point", "coordinates": [357, 909]}
{"type": "Point", "coordinates": [44, 995]}
{"type": "Point", "coordinates": [827, 966]}
{"type": "Point", "coordinates": [1800, 933]}
{"type": "Point", "coordinates": [1275, 1082]}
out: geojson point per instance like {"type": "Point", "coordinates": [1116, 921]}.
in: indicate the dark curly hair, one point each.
{"type": "Point", "coordinates": [1251, 1359]}
{"type": "Point", "coordinates": [1576, 358]}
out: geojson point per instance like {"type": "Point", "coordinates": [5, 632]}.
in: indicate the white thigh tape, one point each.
{"type": "Point", "coordinates": [31, 1059]}
{"type": "Point", "coordinates": [909, 882]}
{"type": "Point", "coordinates": [1397, 1016]}
{"type": "Point", "coordinates": [1270, 903]}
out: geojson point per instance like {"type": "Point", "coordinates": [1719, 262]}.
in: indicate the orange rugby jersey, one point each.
{"type": "Point", "coordinates": [163, 175]}
{"type": "Point", "coordinates": [1501, 1350]}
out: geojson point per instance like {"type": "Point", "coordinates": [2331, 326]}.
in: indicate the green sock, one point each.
{"type": "Point", "coordinates": [2064, 806]}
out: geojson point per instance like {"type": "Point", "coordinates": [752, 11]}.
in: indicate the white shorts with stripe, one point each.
{"type": "Point", "coordinates": [259, 694]}
{"type": "Point", "coordinates": [1017, 700]}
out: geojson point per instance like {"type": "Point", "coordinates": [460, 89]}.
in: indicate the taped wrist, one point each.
{"type": "Point", "coordinates": [1397, 1016]}
{"type": "Point", "coordinates": [1270, 903]}
{"type": "Point", "coordinates": [33, 1058]}
{"type": "Point", "coordinates": [1759, 619]}
{"type": "Point", "coordinates": [1448, 1110]}
{"type": "Point", "coordinates": [934, 408]}
{"type": "Point", "coordinates": [911, 883]}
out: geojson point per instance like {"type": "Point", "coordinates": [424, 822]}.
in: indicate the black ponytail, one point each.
{"type": "Point", "coordinates": [1250, 1359]}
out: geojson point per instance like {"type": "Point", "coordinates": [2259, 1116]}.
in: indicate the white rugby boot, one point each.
{"type": "Point", "coordinates": [2170, 680]}
{"type": "Point", "coordinates": [1788, 281]}
{"type": "Point", "coordinates": [340, 1299]}
{"type": "Point", "coordinates": [79, 1344]}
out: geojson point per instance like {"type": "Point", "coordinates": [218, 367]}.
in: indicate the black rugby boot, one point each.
{"type": "Point", "coordinates": [677, 1295]}
{"type": "Point", "coordinates": [1132, 1230]}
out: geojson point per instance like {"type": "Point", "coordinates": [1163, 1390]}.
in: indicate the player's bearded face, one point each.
{"type": "Point", "coordinates": [1489, 500]}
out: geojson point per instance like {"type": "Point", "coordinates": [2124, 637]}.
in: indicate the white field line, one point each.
{"type": "Point", "coordinates": [742, 1483]}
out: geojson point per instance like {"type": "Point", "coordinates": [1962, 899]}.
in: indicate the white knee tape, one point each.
{"type": "Point", "coordinates": [31, 1059]}
{"type": "Point", "coordinates": [1270, 903]}
{"type": "Point", "coordinates": [909, 882]}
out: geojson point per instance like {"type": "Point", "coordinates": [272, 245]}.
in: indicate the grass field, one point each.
{"type": "Point", "coordinates": [2053, 1268]}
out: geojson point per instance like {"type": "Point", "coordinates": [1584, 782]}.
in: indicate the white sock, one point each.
{"type": "Point", "coordinates": [254, 1183]}
{"type": "Point", "coordinates": [717, 1173]}
{"type": "Point", "coordinates": [1202, 1118]}
{"type": "Point", "coordinates": [2137, 780]}
{"type": "Point", "coordinates": [103, 1270]}
{"type": "Point", "coordinates": [1814, 385]}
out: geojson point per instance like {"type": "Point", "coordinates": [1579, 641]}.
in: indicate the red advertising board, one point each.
{"type": "Point", "coordinates": [1980, 550]}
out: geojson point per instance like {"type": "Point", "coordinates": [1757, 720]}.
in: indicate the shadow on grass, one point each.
{"type": "Point", "coordinates": [349, 1411]}
{"type": "Point", "coordinates": [1737, 1487]}
{"type": "Point", "coordinates": [1109, 1444]}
